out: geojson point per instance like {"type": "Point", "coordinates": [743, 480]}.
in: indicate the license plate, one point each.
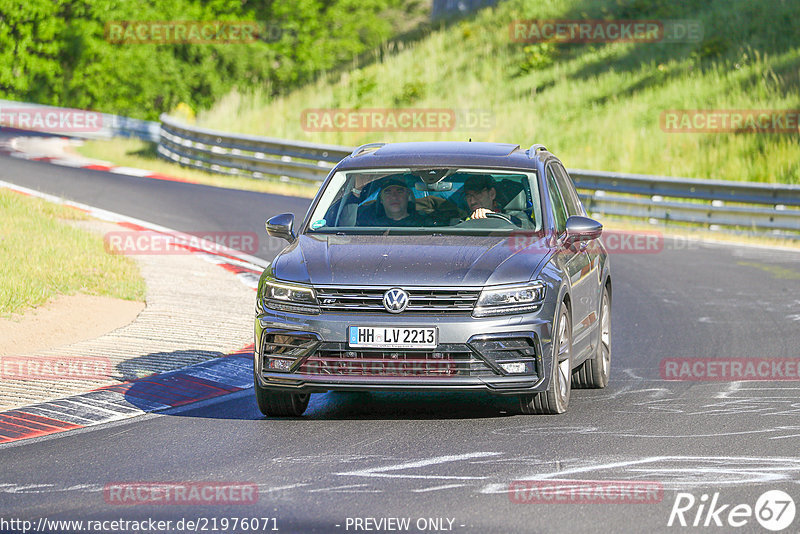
{"type": "Point", "coordinates": [393, 337]}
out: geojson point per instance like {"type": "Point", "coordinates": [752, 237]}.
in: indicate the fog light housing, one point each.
{"type": "Point", "coordinates": [513, 367]}
{"type": "Point", "coordinates": [280, 349]}
{"type": "Point", "coordinates": [512, 355]}
{"type": "Point", "coordinates": [279, 365]}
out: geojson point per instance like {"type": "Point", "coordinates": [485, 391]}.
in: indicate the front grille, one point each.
{"type": "Point", "coordinates": [370, 299]}
{"type": "Point", "coordinates": [446, 361]}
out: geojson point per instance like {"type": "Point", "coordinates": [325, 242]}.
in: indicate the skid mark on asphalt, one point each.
{"type": "Point", "coordinates": [438, 488]}
{"type": "Point", "coordinates": [733, 398]}
{"type": "Point", "coordinates": [283, 488]}
{"type": "Point", "coordinates": [350, 488]}
{"type": "Point", "coordinates": [675, 472]}
{"type": "Point", "coordinates": [490, 478]}
{"type": "Point", "coordinates": [386, 471]}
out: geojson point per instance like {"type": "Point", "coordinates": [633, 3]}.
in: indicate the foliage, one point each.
{"type": "Point", "coordinates": [57, 52]}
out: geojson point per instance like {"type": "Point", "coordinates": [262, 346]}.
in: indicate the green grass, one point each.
{"type": "Point", "coordinates": [44, 257]}
{"type": "Point", "coordinates": [143, 155]}
{"type": "Point", "coordinates": [596, 106]}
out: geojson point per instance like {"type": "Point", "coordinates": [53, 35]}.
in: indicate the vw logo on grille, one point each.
{"type": "Point", "coordinates": [395, 300]}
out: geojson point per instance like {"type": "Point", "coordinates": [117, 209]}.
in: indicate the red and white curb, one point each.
{"type": "Point", "coordinates": [12, 148]}
{"type": "Point", "coordinates": [213, 378]}
{"type": "Point", "coordinates": [203, 381]}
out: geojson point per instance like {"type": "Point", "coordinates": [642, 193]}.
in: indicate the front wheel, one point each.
{"type": "Point", "coordinates": [280, 403]}
{"type": "Point", "coordinates": [556, 399]}
{"type": "Point", "coordinates": [594, 372]}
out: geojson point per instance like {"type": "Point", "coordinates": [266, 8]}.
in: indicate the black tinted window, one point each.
{"type": "Point", "coordinates": [570, 196]}
{"type": "Point", "coordinates": [558, 203]}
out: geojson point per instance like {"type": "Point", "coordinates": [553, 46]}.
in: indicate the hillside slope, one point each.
{"type": "Point", "coordinates": [596, 105]}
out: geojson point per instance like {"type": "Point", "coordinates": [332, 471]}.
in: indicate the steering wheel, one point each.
{"type": "Point", "coordinates": [499, 216]}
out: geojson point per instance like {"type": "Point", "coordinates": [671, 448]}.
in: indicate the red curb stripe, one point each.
{"type": "Point", "coordinates": [175, 390]}
{"type": "Point", "coordinates": [98, 167]}
{"type": "Point", "coordinates": [156, 176]}
{"type": "Point", "coordinates": [133, 226]}
{"type": "Point", "coordinates": [248, 350]}
{"type": "Point", "coordinates": [17, 424]}
{"type": "Point", "coordinates": [237, 269]}
{"type": "Point", "coordinates": [31, 420]}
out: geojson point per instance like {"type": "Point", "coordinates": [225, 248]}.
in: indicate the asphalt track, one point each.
{"type": "Point", "coordinates": [429, 456]}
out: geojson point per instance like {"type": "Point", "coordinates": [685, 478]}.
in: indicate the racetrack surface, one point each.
{"type": "Point", "coordinates": [454, 456]}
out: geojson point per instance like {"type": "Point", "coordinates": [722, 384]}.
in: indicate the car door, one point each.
{"type": "Point", "coordinates": [575, 262]}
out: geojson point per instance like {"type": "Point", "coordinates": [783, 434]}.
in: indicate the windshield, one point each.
{"type": "Point", "coordinates": [428, 200]}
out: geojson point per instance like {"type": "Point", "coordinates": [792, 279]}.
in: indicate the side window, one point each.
{"type": "Point", "coordinates": [555, 199]}
{"type": "Point", "coordinates": [571, 199]}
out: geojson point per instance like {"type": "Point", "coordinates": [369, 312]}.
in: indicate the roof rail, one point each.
{"type": "Point", "coordinates": [536, 148]}
{"type": "Point", "coordinates": [369, 147]}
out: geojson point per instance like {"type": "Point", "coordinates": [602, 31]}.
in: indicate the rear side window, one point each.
{"type": "Point", "coordinates": [570, 196]}
{"type": "Point", "coordinates": [556, 200]}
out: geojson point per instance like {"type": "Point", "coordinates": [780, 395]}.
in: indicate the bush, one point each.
{"type": "Point", "coordinates": [56, 52]}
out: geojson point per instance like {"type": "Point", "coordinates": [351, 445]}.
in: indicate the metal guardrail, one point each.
{"type": "Point", "coordinates": [749, 206]}
{"type": "Point", "coordinates": [248, 155]}
{"type": "Point", "coordinates": [112, 125]}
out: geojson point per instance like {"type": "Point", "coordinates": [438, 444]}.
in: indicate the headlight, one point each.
{"type": "Point", "coordinates": [510, 299]}
{"type": "Point", "coordinates": [289, 297]}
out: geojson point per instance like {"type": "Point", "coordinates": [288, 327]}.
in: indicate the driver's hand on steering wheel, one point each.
{"type": "Point", "coordinates": [480, 213]}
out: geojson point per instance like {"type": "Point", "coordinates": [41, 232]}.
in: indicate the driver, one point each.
{"type": "Point", "coordinates": [481, 196]}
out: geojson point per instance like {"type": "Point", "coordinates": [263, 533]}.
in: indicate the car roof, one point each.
{"type": "Point", "coordinates": [441, 154]}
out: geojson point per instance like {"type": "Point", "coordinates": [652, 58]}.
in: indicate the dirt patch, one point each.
{"type": "Point", "coordinates": [63, 321]}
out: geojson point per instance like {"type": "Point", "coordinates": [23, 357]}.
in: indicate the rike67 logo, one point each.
{"type": "Point", "coordinates": [774, 510]}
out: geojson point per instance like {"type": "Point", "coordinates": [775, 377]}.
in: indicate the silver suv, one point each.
{"type": "Point", "coordinates": [436, 266]}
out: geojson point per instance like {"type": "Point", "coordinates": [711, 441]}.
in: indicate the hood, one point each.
{"type": "Point", "coordinates": [410, 260]}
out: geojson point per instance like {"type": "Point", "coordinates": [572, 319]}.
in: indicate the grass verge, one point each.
{"type": "Point", "coordinates": [142, 154]}
{"type": "Point", "coordinates": [42, 257]}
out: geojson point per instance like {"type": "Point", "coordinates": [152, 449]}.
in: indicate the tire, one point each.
{"type": "Point", "coordinates": [594, 372]}
{"type": "Point", "coordinates": [279, 403]}
{"type": "Point", "coordinates": [556, 399]}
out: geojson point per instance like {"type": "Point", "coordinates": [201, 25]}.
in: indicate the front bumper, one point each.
{"type": "Point", "coordinates": [315, 355]}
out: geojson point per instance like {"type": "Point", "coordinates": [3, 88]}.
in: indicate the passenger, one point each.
{"type": "Point", "coordinates": [396, 206]}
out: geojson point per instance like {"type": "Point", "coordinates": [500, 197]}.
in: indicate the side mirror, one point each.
{"type": "Point", "coordinates": [582, 229]}
{"type": "Point", "coordinates": [281, 226]}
